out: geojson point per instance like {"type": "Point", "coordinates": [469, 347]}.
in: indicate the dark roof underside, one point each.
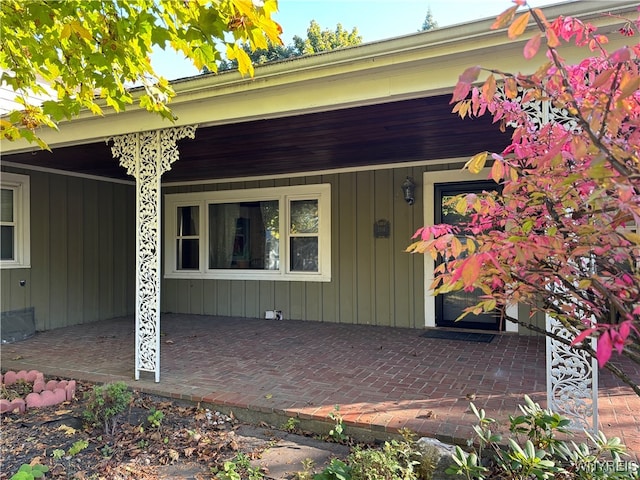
{"type": "Point", "coordinates": [396, 132]}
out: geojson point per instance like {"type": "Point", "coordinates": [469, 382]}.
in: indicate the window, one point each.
{"type": "Point", "coordinates": [281, 233]}
{"type": "Point", "coordinates": [14, 221]}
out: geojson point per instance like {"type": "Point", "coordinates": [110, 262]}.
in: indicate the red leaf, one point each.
{"type": "Point", "coordinates": [532, 46]}
{"type": "Point", "coordinates": [583, 335]}
{"type": "Point", "coordinates": [603, 352]}
{"type": "Point", "coordinates": [621, 55]}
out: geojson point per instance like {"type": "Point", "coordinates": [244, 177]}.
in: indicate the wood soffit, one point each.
{"type": "Point", "coordinates": [404, 131]}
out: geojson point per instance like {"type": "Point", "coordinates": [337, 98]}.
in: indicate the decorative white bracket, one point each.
{"type": "Point", "coordinates": [572, 380]}
{"type": "Point", "coordinates": [146, 156]}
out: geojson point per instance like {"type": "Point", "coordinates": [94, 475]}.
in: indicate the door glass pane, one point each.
{"type": "Point", "coordinates": [304, 254]}
{"type": "Point", "coordinates": [451, 305]}
{"type": "Point", "coordinates": [7, 242]}
{"type": "Point", "coordinates": [188, 254]}
{"type": "Point", "coordinates": [304, 216]}
{"type": "Point", "coordinates": [188, 220]}
{"type": "Point", "coordinates": [244, 235]}
{"type": "Point", "coordinates": [6, 205]}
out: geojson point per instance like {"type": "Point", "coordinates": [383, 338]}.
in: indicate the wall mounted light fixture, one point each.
{"type": "Point", "coordinates": [409, 191]}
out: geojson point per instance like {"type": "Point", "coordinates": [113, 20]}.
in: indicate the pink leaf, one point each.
{"type": "Point", "coordinates": [603, 352]}
{"type": "Point", "coordinates": [584, 334]}
{"type": "Point", "coordinates": [532, 46]}
{"type": "Point", "coordinates": [621, 55]}
{"type": "Point", "coordinates": [470, 75]}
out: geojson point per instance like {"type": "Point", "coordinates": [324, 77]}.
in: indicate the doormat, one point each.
{"type": "Point", "coordinates": [462, 336]}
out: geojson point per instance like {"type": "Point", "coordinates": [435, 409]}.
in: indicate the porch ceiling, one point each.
{"type": "Point", "coordinates": [396, 132]}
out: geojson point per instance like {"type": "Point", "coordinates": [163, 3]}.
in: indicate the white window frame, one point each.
{"type": "Point", "coordinates": [284, 195]}
{"type": "Point", "coordinates": [19, 184]}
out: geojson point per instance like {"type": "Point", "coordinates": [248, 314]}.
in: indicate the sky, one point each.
{"type": "Point", "coordinates": [374, 19]}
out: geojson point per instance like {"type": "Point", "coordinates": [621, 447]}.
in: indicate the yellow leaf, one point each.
{"type": "Point", "coordinates": [67, 429]}
{"type": "Point", "coordinates": [77, 27]}
{"type": "Point", "coordinates": [633, 237]}
{"type": "Point", "coordinates": [66, 32]}
{"type": "Point", "coordinates": [456, 247]}
{"type": "Point", "coordinates": [584, 284]}
{"type": "Point", "coordinates": [552, 38]}
{"type": "Point", "coordinates": [629, 84]}
{"type": "Point", "coordinates": [461, 206]}
{"type": "Point", "coordinates": [471, 246]}
{"type": "Point", "coordinates": [518, 27]}
{"type": "Point", "coordinates": [489, 87]}
{"type": "Point", "coordinates": [510, 88]}
{"type": "Point", "coordinates": [268, 396]}
{"type": "Point", "coordinates": [497, 171]}
{"type": "Point", "coordinates": [504, 18]}
{"type": "Point", "coordinates": [477, 162]}
{"type": "Point", "coordinates": [470, 271]}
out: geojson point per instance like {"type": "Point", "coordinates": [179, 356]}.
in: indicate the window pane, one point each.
{"type": "Point", "coordinates": [6, 205]}
{"type": "Point", "coordinates": [244, 235]}
{"type": "Point", "coordinates": [304, 254]}
{"type": "Point", "coordinates": [304, 216]}
{"type": "Point", "coordinates": [188, 220]}
{"type": "Point", "coordinates": [7, 243]}
{"type": "Point", "coordinates": [188, 254]}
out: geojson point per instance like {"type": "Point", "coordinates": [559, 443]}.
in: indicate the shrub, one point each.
{"type": "Point", "coordinates": [533, 451]}
{"type": "Point", "coordinates": [105, 405]}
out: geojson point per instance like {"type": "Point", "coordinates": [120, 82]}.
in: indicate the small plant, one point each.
{"type": "Point", "coordinates": [539, 454]}
{"type": "Point", "coordinates": [336, 470]}
{"type": "Point", "coordinates": [106, 451]}
{"type": "Point", "coordinates": [59, 454]}
{"type": "Point", "coordinates": [105, 405]}
{"type": "Point", "coordinates": [337, 432]}
{"type": "Point", "coordinates": [291, 425]}
{"type": "Point", "coordinates": [21, 388]}
{"type": "Point", "coordinates": [30, 472]}
{"type": "Point", "coordinates": [395, 460]}
{"type": "Point", "coordinates": [155, 418]}
{"type": "Point", "coordinates": [307, 470]}
{"type": "Point", "coordinates": [239, 468]}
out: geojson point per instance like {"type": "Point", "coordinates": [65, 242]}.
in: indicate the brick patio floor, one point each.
{"type": "Point", "coordinates": [383, 379]}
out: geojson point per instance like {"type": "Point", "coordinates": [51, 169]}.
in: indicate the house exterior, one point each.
{"type": "Point", "coordinates": [288, 198]}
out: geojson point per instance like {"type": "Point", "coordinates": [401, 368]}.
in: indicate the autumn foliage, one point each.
{"type": "Point", "coordinates": [562, 235]}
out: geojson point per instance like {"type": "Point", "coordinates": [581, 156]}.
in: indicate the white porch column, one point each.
{"type": "Point", "coordinates": [572, 375]}
{"type": "Point", "coordinates": [146, 156]}
{"type": "Point", "coordinates": [572, 380]}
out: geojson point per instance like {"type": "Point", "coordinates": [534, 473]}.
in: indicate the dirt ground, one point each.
{"type": "Point", "coordinates": [190, 441]}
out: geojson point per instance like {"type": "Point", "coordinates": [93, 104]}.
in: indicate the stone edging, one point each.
{"type": "Point", "coordinates": [43, 394]}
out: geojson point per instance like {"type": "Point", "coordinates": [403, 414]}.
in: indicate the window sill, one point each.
{"type": "Point", "coordinates": [250, 275]}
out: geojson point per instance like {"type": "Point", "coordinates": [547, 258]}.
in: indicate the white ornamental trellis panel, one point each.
{"type": "Point", "coordinates": [572, 380]}
{"type": "Point", "coordinates": [146, 156]}
{"type": "Point", "coordinates": [572, 375]}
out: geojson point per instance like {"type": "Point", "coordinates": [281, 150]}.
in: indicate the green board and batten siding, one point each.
{"type": "Point", "coordinates": [82, 252]}
{"type": "Point", "coordinates": [83, 263]}
{"type": "Point", "coordinates": [373, 280]}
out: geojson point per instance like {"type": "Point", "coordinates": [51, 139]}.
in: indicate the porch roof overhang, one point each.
{"type": "Point", "coordinates": [385, 102]}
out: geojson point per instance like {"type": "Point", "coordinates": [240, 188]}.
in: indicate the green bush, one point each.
{"type": "Point", "coordinates": [105, 404]}
{"type": "Point", "coordinates": [396, 460]}
{"type": "Point", "coordinates": [534, 452]}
